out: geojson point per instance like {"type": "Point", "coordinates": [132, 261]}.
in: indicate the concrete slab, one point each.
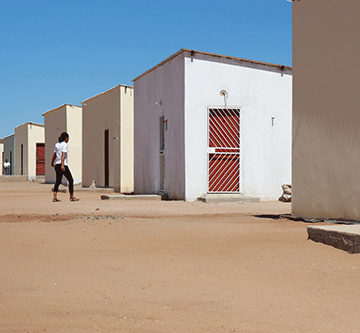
{"type": "Point", "coordinates": [130, 197]}
{"type": "Point", "coordinates": [227, 198]}
{"type": "Point", "coordinates": [13, 178]}
{"type": "Point", "coordinates": [61, 190]}
{"type": "Point", "coordinates": [94, 189]}
{"type": "Point", "coordinates": [344, 237]}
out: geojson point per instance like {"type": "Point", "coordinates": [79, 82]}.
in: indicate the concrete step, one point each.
{"type": "Point", "coordinates": [94, 189]}
{"type": "Point", "coordinates": [131, 197]}
{"type": "Point", "coordinates": [225, 197]}
{"type": "Point", "coordinates": [343, 237]}
{"type": "Point", "coordinates": [13, 178]}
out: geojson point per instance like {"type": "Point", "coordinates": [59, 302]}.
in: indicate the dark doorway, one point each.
{"type": "Point", "coordinates": [106, 157]}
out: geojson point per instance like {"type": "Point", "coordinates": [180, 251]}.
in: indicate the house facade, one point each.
{"type": "Point", "coordinates": [66, 118]}
{"type": "Point", "coordinates": [30, 150]}
{"type": "Point", "coordinates": [108, 139]}
{"type": "Point", "coordinates": [9, 151]}
{"type": "Point", "coordinates": [207, 123]}
{"type": "Point", "coordinates": [326, 122]}
{"type": "Point", "coordinates": [2, 155]}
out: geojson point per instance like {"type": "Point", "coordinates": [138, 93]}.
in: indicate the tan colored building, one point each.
{"type": "Point", "coordinates": [30, 150]}
{"type": "Point", "coordinates": [66, 118]}
{"type": "Point", "coordinates": [108, 139]}
{"type": "Point", "coordinates": [326, 99]}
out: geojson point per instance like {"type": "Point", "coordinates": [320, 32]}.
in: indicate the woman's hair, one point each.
{"type": "Point", "coordinates": [63, 136]}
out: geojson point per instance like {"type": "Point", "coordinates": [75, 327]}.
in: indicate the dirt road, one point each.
{"type": "Point", "coordinates": [169, 266]}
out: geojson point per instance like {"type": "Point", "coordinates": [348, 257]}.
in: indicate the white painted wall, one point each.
{"type": "Point", "coordinates": [187, 85]}
{"type": "Point", "coordinates": [165, 84]}
{"type": "Point", "coordinates": [261, 93]}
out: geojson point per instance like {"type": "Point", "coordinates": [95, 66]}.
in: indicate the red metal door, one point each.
{"type": "Point", "coordinates": [40, 159]}
{"type": "Point", "coordinates": [224, 151]}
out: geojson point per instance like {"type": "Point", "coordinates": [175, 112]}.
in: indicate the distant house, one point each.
{"type": "Point", "coordinates": [30, 150]}
{"type": "Point", "coordinates": [108, 139]}
{"type": "Point", "coordinates": [9, 151]}
{"type": "Point", "coordinates": [66, 118]}
{"type": "Point", "coordinates": [326, 119]}
{"type": "Point", "coordinates": [2, 155]}
{"type": "Point", "coordinates": [207, 123]}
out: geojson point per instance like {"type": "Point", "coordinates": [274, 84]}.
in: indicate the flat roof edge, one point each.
{"type": "Point", "coordinates": [30, 123]}
{"type": "Point", "coordinates": [266, 64]}
{"type": "Point", "coordinates": [59, 107]}
{"type": "Point", "coordinates": [106, 91]}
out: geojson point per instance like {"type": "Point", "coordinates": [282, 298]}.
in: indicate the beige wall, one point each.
{"type": "Point", "coordinates": [112, 110]}
{"type": "Point", "coordinates": [55, 124]}
{"type": "Point", "coordinates": [74, 128]}
{"type": "Point", "coordinates": [66, 118]}
{"type": "Point", "coordinates": [36, 134]}
{"type": "Point", "coordinates": [127, 140]}
{"type": "Point", "coordinates": [326, 119]}
{"type": "Point", "coordinates": [27, 135]}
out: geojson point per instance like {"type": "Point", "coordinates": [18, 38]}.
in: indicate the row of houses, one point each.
{"type": "Point", "coordinates": [206, 123]}
{"type": "Point", "coordinates": [25, 150]}
{"type": "Point", "coordinates": [196, 123]}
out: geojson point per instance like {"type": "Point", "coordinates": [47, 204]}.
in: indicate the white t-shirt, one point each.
{"type": "Point", "coordinates": [61, 147]}
{"type": "Point", "coordinates": [6, 164]}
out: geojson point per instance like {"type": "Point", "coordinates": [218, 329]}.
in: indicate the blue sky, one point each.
{"type": "Point", "coordinates": [57, 52]}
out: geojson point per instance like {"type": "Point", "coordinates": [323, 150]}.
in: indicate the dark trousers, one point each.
{"type": "Point", "coordinates": [60, 174]}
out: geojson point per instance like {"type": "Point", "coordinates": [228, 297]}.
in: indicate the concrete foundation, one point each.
{"type": "Point", "coordinates": [227, 198]}
{"type": "Point", "coordinates": [344, 237]}
{"type": "Point", "coordinates": [13, 179]}
{"type": "Point", "coordinates": [131, 197]}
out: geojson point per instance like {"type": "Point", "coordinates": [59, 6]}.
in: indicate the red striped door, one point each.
{"type": "Point", "coordinates": [40, 159]}
{"type": "Point", "coordinates": [224, 151]}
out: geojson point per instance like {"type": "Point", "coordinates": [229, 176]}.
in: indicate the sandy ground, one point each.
{"type": "Point", "coordinates": [169, 266]}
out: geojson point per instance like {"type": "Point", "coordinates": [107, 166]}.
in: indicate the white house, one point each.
{"type": "Point", "coordinates": [30, 150]}
{"type": "Point", "coordinates": [207, 123]}
{"type": "Point", "coordinates": [66, 118]}
{"type": "Point", "coordinates": [108, 139]}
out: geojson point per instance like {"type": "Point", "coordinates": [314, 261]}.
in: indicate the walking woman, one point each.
{"type": "Point", "coordinates": [60, 162]}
